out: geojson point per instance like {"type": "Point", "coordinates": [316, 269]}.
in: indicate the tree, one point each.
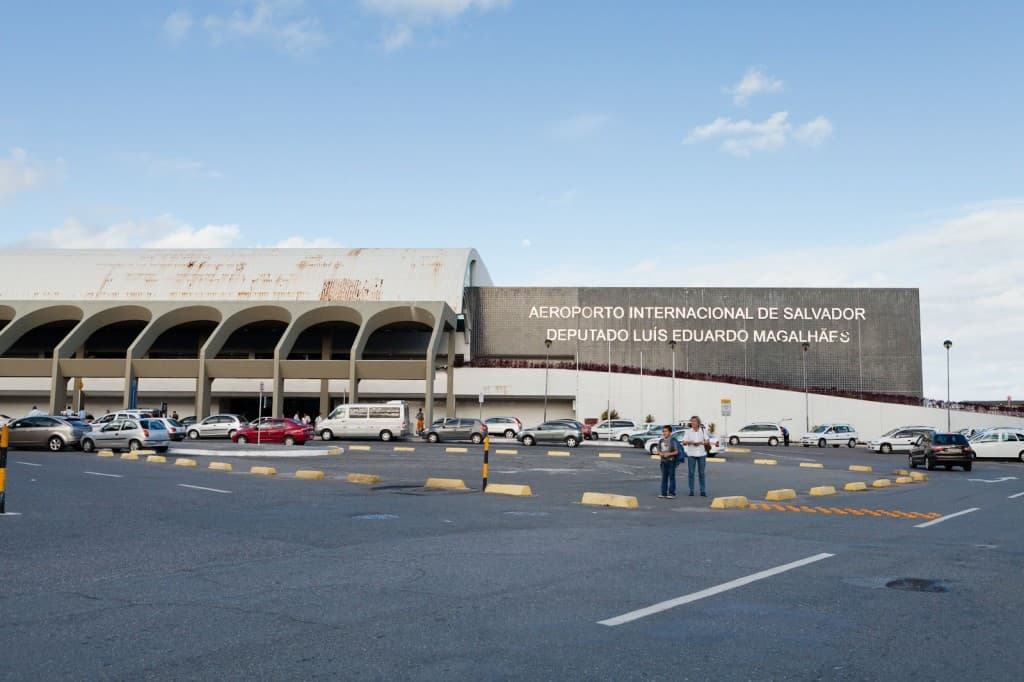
{"type": "Point", "coordinates": [649, 419]}
{"type": "Point", "coordinates": [604, 415]}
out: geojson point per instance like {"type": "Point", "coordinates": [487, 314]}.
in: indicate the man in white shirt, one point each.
{"type": "Point", "coordinates": [694, 441]}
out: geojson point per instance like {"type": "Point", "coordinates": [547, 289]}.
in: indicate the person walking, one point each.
{"type": "Point", "coordinates": [668, 448]}
{"type": "Point", "coordinates": [419, 422]}
{"type": "Point", "coordinates": [695, 442]}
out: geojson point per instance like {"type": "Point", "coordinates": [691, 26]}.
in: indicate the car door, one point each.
{"type": "Point", "coordinates": [20, 432]}
{"type": "Point", "coordinates": [1008, 444]}
{"type": "Point", "coordinates": [988, 445]}
{"type": "Point", "coordinates": [548, 432]}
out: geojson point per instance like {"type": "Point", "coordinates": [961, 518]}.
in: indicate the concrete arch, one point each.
{"type": "Point", "coordinates": [331, 313]}
{"type": "Point", "coordinates": [234, 322]}
{"type": "Point", "coordinates": [93, 323]}
{"type": "Point", "coordinates": [168, 321]}
{"type": "Point", "coordinates": [22, 324]}
{"type": "Point", "coordinates": [387, 317]}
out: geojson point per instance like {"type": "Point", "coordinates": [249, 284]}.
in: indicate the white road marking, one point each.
{"type": "Point", "coordinates": [199, 487]}
{"type": "Point", "coordinates": [28, 464]}
{"type": "Point", "coordinates": [947, 517]}
{"type": "Point", "coordinates": [998, 480]}
{"type": "Point", "coordinates": [11, 514]}
{"type": "Point", "coordinates": [96, 473]}
{"type": "Point", "coordinates": [710, 592]}
{"type": "Point", "coordinates": [1015, 496]}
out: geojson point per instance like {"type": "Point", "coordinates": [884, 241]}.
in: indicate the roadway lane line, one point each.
{"type": "Point", "coordinates": [199, 487]}
{"type": "Point", "coordinates": [28, 464]}
{"type": "Point", "coordinates": [1015, 496]}
{"type": "Point", "coordinates": [96, 473]}
{"type": "Point", "coordinates": [710, 592]}
{"type": "Point", "coordinates": [947, 517]}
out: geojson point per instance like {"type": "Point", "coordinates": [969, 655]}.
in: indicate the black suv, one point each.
{"type": "Point", "coordinates": [947, 449]}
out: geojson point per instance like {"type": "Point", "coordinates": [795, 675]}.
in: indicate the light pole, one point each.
{"type": "Point", "coordinates": [949, 420]}
{"type": "Point", "coordinates": [547, 366]}
{"type": "Point", "coordinates": [672, 345]}
{"type": "Point", "coordinates": [807, 400]}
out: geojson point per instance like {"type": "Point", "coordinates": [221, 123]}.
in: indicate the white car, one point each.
{"type": "Point", "coordinates": [716, 443]}
{"type": "Point", "coordinates": [614, 429]}
{"type": "Point", "coordinates": [901, 439]}
{"type": "Point", "coordinates": [216, 426]}
{"type": "Point", "coordinates": [758, 432]}
{"type": "Point", "coordinates": [835, 435]}
{"type": "Point", "coordinates": [997, 444]}
{"type": "Point", "coordinates": [509, 427]}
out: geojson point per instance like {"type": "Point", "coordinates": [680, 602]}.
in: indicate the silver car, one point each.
{"type": "Point", "coordinates": [217, 426]}
{"type": "Point", "coordinates": [552, 432]}
{"type": "Point", "coordinates": [52, 433]}
{"type": "Point", "coordinates": [128, 434]}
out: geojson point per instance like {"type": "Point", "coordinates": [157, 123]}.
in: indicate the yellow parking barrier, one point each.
{"type": "Point", "coordinates": [368, 479]}
{"type": "Point", "coordinates": [184, 462]}
{"type": "Point", "coordinates": [310, 474]}
{"type": "Point", "coordinates": [220, 466]}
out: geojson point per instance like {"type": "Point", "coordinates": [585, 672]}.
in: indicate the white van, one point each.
{"type": "Point", "coordinates": [367, 420]}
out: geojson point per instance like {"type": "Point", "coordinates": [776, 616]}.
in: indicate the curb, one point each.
{"type": "Point", "coordinates": [730, 502]}
{"type": "Point", "coordinates": [363, 478]}
{"type": "Point", "coordinates": [860, 468]}
{"type": "Point", "coordinates": [881, 483]}
{"type": "Point", "coordinates": [609, 500]}
{"type": "Point", "coordinates": [855, 487]}
{"type": "Point", "coordinates": [220, 466]}
{"type": "Point", "coordinates": [399, 448]}
{"type": "Point", "coordinates": [129, 455]}
{"type": "Point", "coordinates": [766, 462]}
{"type": "Point", "coordinates": [738, 451]}
{"type": "Point", "coordinates": [508, 489]}
{"type": "Point", "coordinates": [506, 452]}
{"type": "Point", "coordinates": [610, 455]}
{"type": "Point", "coordinates": [811, 465]}
{"type": "Point", "coordinates": [903, 480]}
{"type": "Point", "coordinates": [263, 471]}
{"type": "Point", "coordinates": [159, 459]}
{"type": "Point", "coordinates": [310, 474]}
{"type": "Point", "coordinates": [918, 476]}
{"type": "Point", "coordinates": [445, 483]}
{"type": "Point", "coordinates": [780, 495]}
{"type": "Point", "coordinates": [362, 448]}
{"type": "Point", "coordinates": [184, 462]}
{"type": "Point", "coordinates": [821, 490]}
{"type": "Point", "coordinates": [559, 453]}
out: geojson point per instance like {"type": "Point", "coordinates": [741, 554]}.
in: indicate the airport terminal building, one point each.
{"type": "Point", "coordinates": [304, 330]}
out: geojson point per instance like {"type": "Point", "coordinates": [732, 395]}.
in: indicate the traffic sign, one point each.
{"type": "Point", "coordinates": [726, 407]}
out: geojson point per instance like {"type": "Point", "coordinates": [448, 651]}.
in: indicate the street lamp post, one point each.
{"type": "Point", "coordinates": [547, 367]}
{"type": "Point", "coordinates": [949, 420]}
{"type": "Point", "coordinates": [807, 401]}
{"type": "Point", "coordinates": [672, 345]}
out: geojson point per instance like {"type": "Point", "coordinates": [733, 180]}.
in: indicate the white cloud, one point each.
{"type": "Point", "coordinates": [180, 165]}
{"type": "Point", "coordinates": [581, 126]}
{"type": "Point", "coordinates": [425, 10]}
{"type": "Point", "coordinates": [281, 23]}
{"type": "Point", "coordinates": [177, 25]}
{"type": "Point", "coordinates": [526, 243]}
{"type": "Point", "coordinates": [397, 38]}
{"type": "Point", "coordinates": [19, 173]}
{"type": "Point", "coordinates": [306, 243]}
{"type": "Point", "coordinates": [971, 284]}
{"type": "Point", "coordinates": [744, 137]}
{"type": "Point", "coordinates": [162, 232]}
{"type": "Point", "coordinates": [753, 82]}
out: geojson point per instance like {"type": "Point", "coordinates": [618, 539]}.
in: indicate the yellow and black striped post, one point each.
{"type": "Point", "coordinates": [487, 451]}
{"type": "Point", "coordinates": [4, 439]}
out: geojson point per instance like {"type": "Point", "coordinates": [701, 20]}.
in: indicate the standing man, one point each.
{"type": "Point", "coordinates": [419, 422]}
{"type": "Point", "coordinates": [695, 439]}
{"type": "Point", "coordinates": [785, 435]}
{"type": "Point", "coordinates": [669, 451]}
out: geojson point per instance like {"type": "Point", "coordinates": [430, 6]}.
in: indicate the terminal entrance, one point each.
{"type": "Point", "coordinates": [249, 407]}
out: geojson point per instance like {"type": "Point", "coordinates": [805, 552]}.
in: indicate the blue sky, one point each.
{"type": "Point", "coordinates": [570, 142]}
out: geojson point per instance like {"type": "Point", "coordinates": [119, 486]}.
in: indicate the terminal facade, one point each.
{"type": "Point", "coordinates": [245, 329]}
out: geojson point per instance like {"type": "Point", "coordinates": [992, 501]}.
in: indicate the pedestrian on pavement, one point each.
{"type": "Point", "coordinates": [305, 419]}
{"type": "Point", "coordinates": [669, 451]}
{"type": "Point", "coordinates": [36, 412]}
{"type": "Point", "coordinates": [419, 422]}
{"type": "Point", "coordinates": [695, 440]}
{"type": "Point", "coordinates": [785, 435]}
{"type": "Point", "coordinates": [174, 415]}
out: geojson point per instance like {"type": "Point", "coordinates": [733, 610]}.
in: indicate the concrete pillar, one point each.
{"type": "Point", "coordinates": [450, 400]}
{"type": "Point", "coordinates": [428, 392]}
{"type": "Point", "coordinates": [58, 389]}
{"type": "Point", "coordinates": [326, 350]}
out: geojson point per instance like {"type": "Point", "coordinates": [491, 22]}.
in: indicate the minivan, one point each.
{"type": "Point", "coordinates": [385, 421]}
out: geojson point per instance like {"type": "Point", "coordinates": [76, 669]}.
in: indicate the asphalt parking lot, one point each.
{"type": "Point", "coordinates": [126, 569]}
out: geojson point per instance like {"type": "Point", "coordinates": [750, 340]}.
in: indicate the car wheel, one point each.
{"type": "Point", "coordinates": [232, 432]}
{"type": "Point", "coordinates": [88, 445]}
{"type": "Point", "coordinates": [911, 461]}
{"type": "Point", "coordinates": [928, 463]}
{"type": "Point", "coordinates": [193, 435]}
{"type": "Point", "coordinates": [571, 441]}
{"type": "Point", "coordinates": [654, 449]}
{"type": "Point", "coordinates": [432, 438]}
{"type": "Point", "coordinates": [289, 441]}
{"type": "Point", "coordinates": [529, 441]}
{"type": "Point", "coordinates": [55, 444]}
{"type": "Point", "coordinates": [134, 445]}
{"type": "Point", "coordinates": [773, 441]}
{"type": "Point", "coordinates": [624, 437]}
{"type": "Point", "coordinates": [821, 443]}
{"type": "Point", "coordinates": [1021, 456]}
{"type": "Point", "coordinates": [967, 467]}
{"type": "Point", "coordinates": [242, 440]}
{"type": "Point", "coordinates": [476, 439]}
{"type": "Point", "coordinates": [852, 443]}
{"type": "Point", "coordinates": [886, 449]}
{"type": "Point", "coordinates": [510, 433]}
{"type": "Point", "coordinates": [326, 434]}
{"type": "Point", "coordinates": [733, 440]}
{"type": "Point", "coordinates": [385, 435]}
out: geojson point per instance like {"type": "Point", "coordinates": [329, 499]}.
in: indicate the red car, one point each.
{"type": "Point", "coordinates": [287, 431]}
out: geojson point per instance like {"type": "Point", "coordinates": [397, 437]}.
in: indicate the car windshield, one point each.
{"type": "Point", "coordinates": [950, 439]}
{"type": "Point", "coordinates": [819, 429]}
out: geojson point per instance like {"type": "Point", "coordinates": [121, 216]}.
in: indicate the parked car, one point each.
{"type": "Point", "coordinates": [52, 433]}
{"type": "Point", "coordinates": [275, 430]}
{"type": "Point", "coordinates": [999, 444]}
{"type": "Point", "coordinates": [128, 434]}
{"type": "Point", "coordinates": [217, 426]}
{"type": "Point", "coordinates": [717, 448]}
{"type": "Point", "coordinates": [174, 428]}
{"type": "Point", "coordinates": [586, 429]}
{"type": "Point", "coordinates": [758, 432]}
{"type": "Point", "coordinates": [4, 419]}
{"type": "Point", "coordinates": [506, 426]}
{"type": "Point", "coordinates": [556, 431]}
{"type": "Point", "coordinates": [367, 420]}
{"type": "Point", "coordinates": [948, 449]}
{"type": "Point", "coordinates": [119, 415]}
{"type": "Point", "coordinates": [187, 421]}
{"type": "Point", "coordinates": [456, 428]}
{"type": "Point", "coordinates": [901, 439]}
{"type": "Point", "coordinates": [639, 438]}
{"type": "Point", "coordinates": [614, 429]}
{"type": "Point", "coordinates": [835, 435]}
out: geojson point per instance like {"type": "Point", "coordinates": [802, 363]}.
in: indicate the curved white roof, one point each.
{"type": "Point", "coordinates": [330, 275]}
